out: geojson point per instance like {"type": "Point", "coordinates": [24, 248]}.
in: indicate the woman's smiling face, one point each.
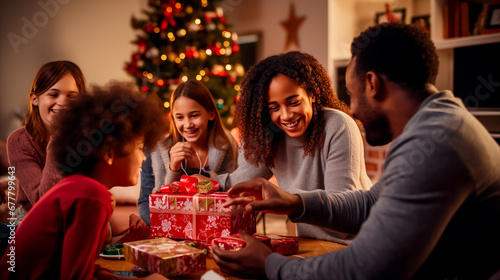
{"type": "Point", "coordinates": [50, 102]}
{"type": "Point", "coordinates": [289, 106]}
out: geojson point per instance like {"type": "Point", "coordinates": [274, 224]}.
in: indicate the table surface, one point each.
{"type": "Point", "coordinates": [307, 248]}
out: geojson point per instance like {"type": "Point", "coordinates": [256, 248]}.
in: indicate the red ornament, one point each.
{"type": "Point", "coordinates": [144, 88]}
{"type": "Point", "coordinates": [189, 54]}
{"type": "Point", "coordinates": [235, 48]}
{"type": "Point", "coordinates": [217, 50]}
{"type": "Point", "coordinates": [150, 27]}
{"type": "Point", "coordinates": [168, 11]}
{"type": "Point", "coordinates": [233, 79]}
{"type": "Point", "coordinates": [141, 45]}
{"type": "Point", "coordinates": [135, 58]}
{"type": "Point", "coordinates": [222, 19]}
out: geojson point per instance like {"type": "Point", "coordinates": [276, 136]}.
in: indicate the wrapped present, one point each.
{"type": "Point", "coordinates": [284, 245]}
{"type": "Point", "coordinates": [194, 215]}
{"type": "Point", "coordinates": [230, 243]}
{"type": "Point", "coordinates": [264, 239]}
{"type": "Point", "coordinates": [164, 256]}
{"type": "Point", "coordinates": [235, 243]}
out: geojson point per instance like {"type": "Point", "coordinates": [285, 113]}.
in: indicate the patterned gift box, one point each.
{"type": "Point", "coordinates": [284, 245]}
{"type": "Point", "coordinates": [264, 239]}
{"type": "Point", "coordinates": [230, 243]}
{"type": "Point", "coordinates": [197, 216]}
{"type": "Point", "coordinates": [235, 243]}
{"type": "Point", "coordinates": [164, 256]}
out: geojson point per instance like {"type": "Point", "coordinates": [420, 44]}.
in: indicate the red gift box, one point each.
{"type": "Point", "coordinates": [235, 243]}
{"type": "Point", "coordinates": [164, 256]}
{"type": "Point", "coordinates": [197, 216]}
{"type": "Point", "coordinates": [284, 245]}
{"type": "Point", "coordinates": [230, 243]}
{"type": "Point", "coordinates": [264, 239]}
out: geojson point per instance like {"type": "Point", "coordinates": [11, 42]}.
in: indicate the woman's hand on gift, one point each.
{"type": "Point", "coordinates": [135, 222]}
{"type": "Point", "coordinates": [250, 261]}
{"type": "Point", "coordinates": [179, 152]}
{"type": "Point", "coordinates": [199, 177]}
{"type": "Point", "coordinates": [261, 195]}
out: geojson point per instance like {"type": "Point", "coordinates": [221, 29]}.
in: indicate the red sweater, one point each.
{"type": "Point", "coordinates": [34, 177]}
{"type": "Point", "coordinates": [62, 235]}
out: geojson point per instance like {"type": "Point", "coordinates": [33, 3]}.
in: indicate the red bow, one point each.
{"type": "Point", "coordinates": [169, 11]}
{"type": "Point", "coordinates": [187, 184]}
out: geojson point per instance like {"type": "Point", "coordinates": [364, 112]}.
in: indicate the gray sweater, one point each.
{"type": "Point", "coordinates": [337, 167]}
{"type": "Point", "coordinates": [219, 161]}
{"type": "Point", "coordinates": [156, 170]}
{"type": "Point", "coordinates": [434, 213]}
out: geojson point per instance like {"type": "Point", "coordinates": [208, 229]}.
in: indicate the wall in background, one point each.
{"type": "Point", "coordinates": [264, 16]}
{"type": "Point", "coordinates": [92, 33]}
{"type": "Point", "coordinates": [97, 34]}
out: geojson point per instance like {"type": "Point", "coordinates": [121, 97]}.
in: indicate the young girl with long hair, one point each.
{"type": "Point", "coordinates": [197, 143]}
{"type": "Point", "coordinates": [55, 83]}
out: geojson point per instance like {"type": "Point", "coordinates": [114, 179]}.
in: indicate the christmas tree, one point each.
{"type": "Point", "coordinates": [187, 39]}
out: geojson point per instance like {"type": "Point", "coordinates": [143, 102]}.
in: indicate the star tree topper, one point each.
{"type": "Point", "coordinates": [292, 27]}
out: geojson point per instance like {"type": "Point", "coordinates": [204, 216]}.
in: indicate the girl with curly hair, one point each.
{"type": "Point", "coordinates": [293, 126]}
{"type": "Point", "coordinates": [55, 83]}
{"type": "Point", "coordinates": [99, 140]}
{"type": "Point", "coordinates": [197, 143]}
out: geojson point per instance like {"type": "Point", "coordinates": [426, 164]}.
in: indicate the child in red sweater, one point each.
{"type": "Point", "coordinates": [98, 143]}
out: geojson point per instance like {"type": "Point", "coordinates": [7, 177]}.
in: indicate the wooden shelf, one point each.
{"type": "Point", "coordinates": [467, 41]}
{"type": "Point", "coordinates": [485, 113]}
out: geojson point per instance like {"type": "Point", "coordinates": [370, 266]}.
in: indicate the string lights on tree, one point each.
{"type": "Point", "coordinates": [186, 39]}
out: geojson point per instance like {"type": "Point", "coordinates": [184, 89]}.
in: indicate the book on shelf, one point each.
{"type": "Point", "coordinates": [468, 17]}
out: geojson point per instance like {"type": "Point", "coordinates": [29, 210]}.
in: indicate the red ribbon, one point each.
{"type": "Point", "coordinates": [169, 14]}
{"type": "Point", "coordinates": [187, 184]}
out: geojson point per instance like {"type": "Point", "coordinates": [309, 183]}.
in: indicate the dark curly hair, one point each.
{"type": "Point", "coordinates": [259, 135]}
{"type": "Point", "coordinates": [403, 53]}
{"type": "Point", "coordinates": [105, 119]}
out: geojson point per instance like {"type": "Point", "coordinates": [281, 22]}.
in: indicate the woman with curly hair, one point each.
{"type": "Point", "coordinates": [98, 140]}
{"type": "Point", "coordinates": [293, 126]}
